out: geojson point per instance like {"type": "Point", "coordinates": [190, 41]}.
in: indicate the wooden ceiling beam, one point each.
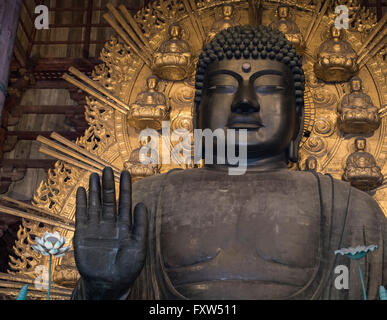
{"type": "Point", "coordinates": [48, 109]}
{"type": "Point", "coordinates": [32, 135]}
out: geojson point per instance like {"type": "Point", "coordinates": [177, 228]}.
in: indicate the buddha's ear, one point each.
{"type": "Point", "coordinates": [293, 148]}
{"type": "Point", "coordinates": [196, 115]}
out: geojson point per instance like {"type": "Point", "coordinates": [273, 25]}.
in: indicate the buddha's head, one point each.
{"type": "Point", "coordinates": [335, 32]}
{"type": "Point", "coordinates": [360, 144]}
{"type": "Point", "coordinates": [283, 11]}
{"type": "Point", "coordinates": [355, 84]}
{"type": "Point", "coordinates": [311, 163]}
{"type": "Point", "coordinates": [251, 78]}
{"type": "Point", "coordinates": [227, 10]}
{"type": "Point", "coordinates": [151, 82]}
{"type": "Point", "coordinates": [144, 140]}
{"type": "Point", "coordinates": [175, 31]}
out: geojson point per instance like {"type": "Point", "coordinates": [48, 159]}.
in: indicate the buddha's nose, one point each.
{"type": "Point", "coordinates": [245, 100]}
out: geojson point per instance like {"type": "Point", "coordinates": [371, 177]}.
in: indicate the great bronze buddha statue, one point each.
{"type": "Point", "coordinates": [357, 113]}
{"type": "Point", "coordinates": [204, 234]}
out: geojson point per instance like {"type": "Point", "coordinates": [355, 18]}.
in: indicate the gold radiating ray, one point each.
{"type": "Point", "coordinates": [135, 27]}
{"type": "Point", "coordinates": [72, 145]}
{"type": "Point", "coordinates": [98, 87]}
{"type": "Point", "coordinates": [69, 152]}
{"type": "Point", "coordinates": [22, 280]}
{"type": "Point", "coordinates": [128, 34]}
{"type": "Point", "coordinates": [126, 38]}
{"type": "Point", "coordinates": [67, 155]}
{"type": "Point", "coordinates": [255, 16]}
{"type": "Point", "coordinates": [373, 52]}
{"type": "Point", "coordinates": [316, 21]}
{"type": "Point", "coordinates": [373, 39]}
{"type": "Point", "coordinates": [11, 284]}
{"type": "Point", "coordinates": [26, 206]}
{"type": "Point", "coordinates": [95, 94]}
{"type": "Point", "coordinates": [383, 111]}
{"type": "Point", "coordinates": [30, 215]}
{"type": "Point", "coordinates": [190, 6]}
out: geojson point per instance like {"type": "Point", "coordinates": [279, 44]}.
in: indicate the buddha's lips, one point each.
{"type": "Point", "coordinates": [244, 123]}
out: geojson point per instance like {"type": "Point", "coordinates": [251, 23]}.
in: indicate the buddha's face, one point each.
{"type": "Point", "coordinates": [175, 31]}
{"type": "Point", "coordinates": [355, 85]}
{"type": "Point", "coordinates": [151, 82]}
{"type": "Point", "coordinates": [283, 12]}
{"type": "Point", "coordinates": [145, 140]}
{"type": "Point", "coordinates": [257, 95]}
{"type": "Point", "coordinates": [335, 33]}
{"type": "Point", "coordinates": [360, 144]}
{"type": "Point", "coordinates": [227, 11]}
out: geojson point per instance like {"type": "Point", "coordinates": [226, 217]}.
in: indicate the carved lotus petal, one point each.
{"type": "Point", "coordinates": [356, 252]}
{"type": "Point", "coordinates": [51, 244]}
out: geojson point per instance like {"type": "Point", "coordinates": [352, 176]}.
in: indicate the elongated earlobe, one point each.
{"type": "Point", "coordinates": [293, 151]}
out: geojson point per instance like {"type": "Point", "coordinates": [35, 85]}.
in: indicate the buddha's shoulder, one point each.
{"type": "Point", "coordinates": [172, 176]}
{"type": "Point", "coordinates": [178, 177]}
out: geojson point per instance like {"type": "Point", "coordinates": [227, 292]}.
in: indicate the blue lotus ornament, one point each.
{"type": "Point", "coordinates": [51, 244]}
{"type": "Point", "coordinates": [382, 293]}
{"type": "Point", "coordinates": [357, 253]}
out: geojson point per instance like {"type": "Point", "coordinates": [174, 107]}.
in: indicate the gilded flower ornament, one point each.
{"type": "Point", "coordinates": [51, 244]}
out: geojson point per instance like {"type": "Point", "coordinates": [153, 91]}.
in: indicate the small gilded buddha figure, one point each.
{"type": "Point", "coordinates": [150, 107]}
{"type": "Point", "coordinates": [172, 61]}
{"type": "Point", "coordinates": [357, 114]}
{"type": "Point", "coordinates": [136, 164]}
{"type": "Point", "coordinates": [225, 22]}
{"type": "Point", "coordinates": [288, 27]}
{"type": "Point", "coordinates": [336, 59]}
{"type": "Point", "coordinates": [311, 164]}
{"type": "Point", "coordinates": [361, 169]}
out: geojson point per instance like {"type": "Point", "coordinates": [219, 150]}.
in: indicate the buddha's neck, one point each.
{"type": "Point", "coordinates": [256, 164]}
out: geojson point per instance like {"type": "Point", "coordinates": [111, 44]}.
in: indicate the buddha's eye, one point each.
{"type": "Point", "coordinates": [269, 89]}
{"type": "Point", "coordinates": [222, 89]}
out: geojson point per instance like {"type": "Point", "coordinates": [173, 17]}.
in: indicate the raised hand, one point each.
{"type": "Point", "coordinates": [109, 249]}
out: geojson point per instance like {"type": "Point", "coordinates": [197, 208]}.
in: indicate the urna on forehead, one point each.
{"type": "Point", "coordinates": [251, 42]}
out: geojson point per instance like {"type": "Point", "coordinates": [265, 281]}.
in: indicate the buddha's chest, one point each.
{"type": "Point", "coordinates": [245, 225]}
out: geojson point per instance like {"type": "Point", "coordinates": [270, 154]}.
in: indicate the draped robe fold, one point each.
{"type": "Point", "coordinates": [349, 218]}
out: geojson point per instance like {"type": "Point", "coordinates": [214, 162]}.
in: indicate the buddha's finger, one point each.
{"type": "Point", "coordinates": [108, 195]}
{"type": "Point", "coordinates": [94, 198]}
{"type": "Point", "coordinates": [140, 224]}
{"type": "Point", "coordinates": [125, 201]}
{"type": "Point", "coordinates": [81, 208]}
